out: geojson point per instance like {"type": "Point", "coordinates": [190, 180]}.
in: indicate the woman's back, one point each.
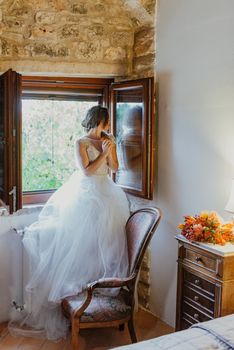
{"type": "Point", "coordinates": [94, 150]}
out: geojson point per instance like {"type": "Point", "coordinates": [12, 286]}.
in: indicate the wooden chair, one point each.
{"type": "Point", "coordinates": [93, 309]}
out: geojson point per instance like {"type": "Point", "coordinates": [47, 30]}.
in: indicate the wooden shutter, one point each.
{"type": "Point", "coordinates": [133, 102]}
{"type": "Point", "coordinates": [10, 141]}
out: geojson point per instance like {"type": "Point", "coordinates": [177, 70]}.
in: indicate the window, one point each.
{"type": "Point", "coordinates": [50, 127]}
{"type": "Point", "coordinates": [40, 120]}
{"type": "Point", "coordinates": [132, 111]}
{"type": "Point", "coordinates": [52, 110]}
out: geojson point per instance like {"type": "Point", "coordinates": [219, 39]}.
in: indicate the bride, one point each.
{"type": "Point", "coordinates": [79, 236]}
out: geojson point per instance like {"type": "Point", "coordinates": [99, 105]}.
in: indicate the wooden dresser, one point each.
{"type": "Point", "coordinates": [205, 285]}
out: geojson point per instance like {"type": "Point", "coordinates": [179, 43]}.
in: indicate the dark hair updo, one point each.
{"type": "Point", "coordinates": [94, 117]}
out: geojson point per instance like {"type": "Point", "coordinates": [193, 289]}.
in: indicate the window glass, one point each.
{"type": "Point", "coordinates": [50, 129]}
{"type": "Point", "coordinates": [129, 129]}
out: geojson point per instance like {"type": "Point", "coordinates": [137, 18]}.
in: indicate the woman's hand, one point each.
{"type": "Point", "coordinates": [107, 147]}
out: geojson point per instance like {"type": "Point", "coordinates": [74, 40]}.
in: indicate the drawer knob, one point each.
{"type": "Point", "coordinates": [198, 259]}
{"type": "Point", "coordinates": [196, 316]}
{"type": "Point", "coordinates": [197, 282]}
{"type": "Point", "coordinates": [196, 298]}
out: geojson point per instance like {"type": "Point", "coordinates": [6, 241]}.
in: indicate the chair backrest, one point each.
{"type": "Point", "coordinates": [140, 228]}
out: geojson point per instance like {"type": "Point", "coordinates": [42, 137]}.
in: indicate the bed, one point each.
{"type": "Point", "coordinates": [217, 334]}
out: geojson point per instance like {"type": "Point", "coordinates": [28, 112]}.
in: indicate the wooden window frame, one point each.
{"type": "Point", "coordinates": [10, 141]}
{"type": "Point", "coordinates": [15, 86]}
{"type": "Point", "coordinates": [60, 86]}
{"type": "Point", "coordinates": [147, 85]}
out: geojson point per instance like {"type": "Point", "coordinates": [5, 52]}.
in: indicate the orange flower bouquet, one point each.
{"type": "Point", "coordinates": [208, 228]}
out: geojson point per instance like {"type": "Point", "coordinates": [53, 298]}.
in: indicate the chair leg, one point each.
{"type": "Point", "coordinates": [132, 331]}
{"type": "Point", "coordinates": [121, 327]}
{"type": "Point", "coordinates": [75, 334]}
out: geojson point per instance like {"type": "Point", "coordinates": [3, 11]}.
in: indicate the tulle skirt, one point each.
{"type": "Point", "coordinates": [79, 238]}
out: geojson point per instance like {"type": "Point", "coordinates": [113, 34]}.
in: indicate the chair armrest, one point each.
{"type": "Point", "coordinates": [101, 283]}
{"type": "Point", "coordinates": [70, 309]}
{"type": "Point", "coordinates": [112, 282]}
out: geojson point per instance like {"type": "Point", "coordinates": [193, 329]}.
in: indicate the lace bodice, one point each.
{"type": "Point", "coordinates": [93, 153]}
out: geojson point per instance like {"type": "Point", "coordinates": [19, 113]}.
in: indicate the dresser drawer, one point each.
{"type": "Point", "coordinates": [186, 322]}
{"type": "Point", "coordinates": [199, 300]}
{"type": "Point", "coordinates": [205, 287]}
{"type": "Point", "coordinates": [194, 314]}
{"type": "Point", "coordinates": [205, 261]}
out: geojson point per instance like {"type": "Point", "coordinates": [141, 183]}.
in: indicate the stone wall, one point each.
{"type": "Point", "coordinates": [66, 36]}
{"type": "Point", "coordinates": [144, 281]}
{"type": "Point", "coordinates": [144, 53]}
{"type": "Point", "coordinates": [86, 37]}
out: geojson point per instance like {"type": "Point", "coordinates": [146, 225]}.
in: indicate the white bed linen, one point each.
{"type": "Point", "coordinates": [217, 334]}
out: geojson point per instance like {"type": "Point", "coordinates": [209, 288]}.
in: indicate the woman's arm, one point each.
{"type": "Point", "coordinates": [112, 156]}
{"type": "Point", "coordinates": [89, 168]}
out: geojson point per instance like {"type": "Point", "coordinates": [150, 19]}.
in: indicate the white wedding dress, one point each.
{"type": "Point", "coordinates": [78, 238]}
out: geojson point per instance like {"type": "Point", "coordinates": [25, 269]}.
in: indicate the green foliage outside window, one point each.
{"type": "Point", "coordinates": [50, 129]}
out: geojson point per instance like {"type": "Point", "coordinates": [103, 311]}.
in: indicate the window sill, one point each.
{"type": "Point", "coordinates": [27, 209]}
{"type": "Point", "coordinates": [36, 198]}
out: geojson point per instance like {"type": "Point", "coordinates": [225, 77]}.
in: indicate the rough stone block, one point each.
{"type": "Point", "coordinates": [80, 8]}
{"type": "Point", "coordinates": [13, 24]}
{"type": "Point", "coordinates": [89, 51]}
{"type": "Point", "coordinates": [12, 36]}
{"type": "Point", "coordinates": [118, 24]}
{"type": "Point", "coordinates": [70, 30]}
{"type": "Point", "coordinates": [116, 54]}
{"type": "Point", "coordinates": [44, 32]}
{"type": "Point", "coordinates": [18, 11]}
{"type": "Point", "coordinates": [68, 18]}
{"type": "Point", "coordinates": [144, 42]}
{"type": "Point", "coordinates": [98, 6]}
{"type": "Point", "coordinates": [149, 5]}
{"type": "Point", "coordinates": [121, 38]}
{"type": "Point", "coordinates": [45, 17]}
{"type": "Point", "coordinates": [144, 62]}
{"type": "Point", "coordinates": [95, 30]}
{"type": "Point", "coordinates": [20, 51]}
{"type": "Point", "coordinates": [48, 50]}
{"type": "Point", "coordinates": [6, 48]}
{"type": "Point", "coordinates": [144, 277]}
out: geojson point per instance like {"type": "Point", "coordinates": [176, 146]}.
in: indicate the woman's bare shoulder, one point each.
{"type": "Point", "coordinates": [83, 141]}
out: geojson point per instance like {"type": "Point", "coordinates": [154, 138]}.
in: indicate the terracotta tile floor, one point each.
{"type": "Point", "coordinates": [147, 326]}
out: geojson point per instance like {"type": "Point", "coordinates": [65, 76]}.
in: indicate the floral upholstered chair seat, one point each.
{"type": "Point", "coordinates": [102, 308]}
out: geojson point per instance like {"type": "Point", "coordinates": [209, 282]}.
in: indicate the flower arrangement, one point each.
{"type": "Point", "coordinates": [208, 228]}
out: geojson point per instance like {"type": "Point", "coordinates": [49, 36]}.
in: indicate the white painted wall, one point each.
{"type": "Point", "coordinates": [195, 73]}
